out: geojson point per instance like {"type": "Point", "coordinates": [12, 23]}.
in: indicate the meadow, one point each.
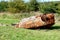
{"type": "Point", "coordinates": [9, 32]}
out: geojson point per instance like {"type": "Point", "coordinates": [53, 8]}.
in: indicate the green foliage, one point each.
{"type": "Point", "coordinates": [58, 8]}
{"type": "Point", "coordinates": [33, 5]}
{"type": "Point", "coordinates": [47, 7]}
{"type": "Point", "coordinates": [13, 10]}
{"type": "Point", "coordinates": [17, 6]}
{"type": "Point", "coordinates": [3, 6]}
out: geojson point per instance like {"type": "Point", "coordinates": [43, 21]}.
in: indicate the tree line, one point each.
{"type": "Point", "coordinates": [17, 6]}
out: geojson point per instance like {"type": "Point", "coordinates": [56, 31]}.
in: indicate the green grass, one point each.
{"type": "Point", "coordinates": [15, 16]}
{"type": "Point", "coordinates": [12, 33]}
{"type": "Point", "coordinates": [9, 21]}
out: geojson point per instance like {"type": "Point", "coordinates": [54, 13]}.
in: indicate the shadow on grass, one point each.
{"type": "Point", "coordinates": [52, 28]}
{"type": "Point", "coordinates": [55, 27]}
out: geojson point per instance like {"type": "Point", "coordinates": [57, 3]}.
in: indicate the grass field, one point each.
{"type": "Point", "coordinates": [12, 33]}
